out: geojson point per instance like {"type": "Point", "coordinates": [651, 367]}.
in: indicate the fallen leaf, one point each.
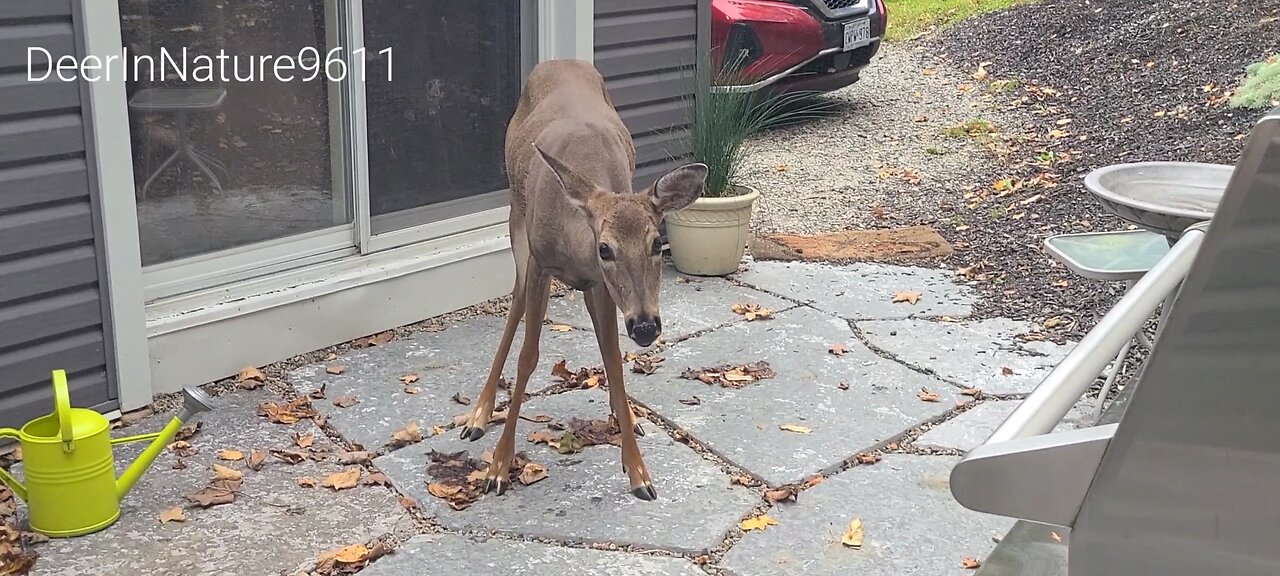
{"type": "Point", "coordinates": [221, 472]}
{"type": "Point", "coordinates": [182, 449]}
{"type": "Point", "coordinates": [927, 396]}
{"type": "Point", "coordinates": [407, 503]}
{"type": "Point", "coordinates": [561, 327]}
{"type": "Point", "coordinates": [211, 496]}
{"type": "Point", "coordinates": [437, 430]}
{"type": "Point", "coordinates": [306, 482]}
{"type": "Point", "coordinates": [249, 378]}
{"type": "Point", "coordinates": [230, 455]}
{"type": "Point", "coordinates": [812, 481]}
{"type": "Point", "coordinates": [542, 437]}
{"type": "Point", "coordinates": [867, 457]}
{"type": "Point", "coordinates": [335, 369]}
{"type": "Point", "coordinates": [730, 376]}
{"type": "Point", "coordinates": [852, 536]}
{"type": "Point", "coordinates": [537, 418]}
{"type": "Point", "coordinates": [560, 371]}
{"type": "Point", "coordinates": [412, 390]}
{"type": "Point", "coordinates": [757, 523]}
{"type": "Point", "coordinates": [459, 398]}
{"type": "Point", "coordinates": [345, 401]}
{"type": "Point", "coordinates": [174, 514]}
{"type": "Point", "coordinates": [288, 456]}
{"type": "Point", "coordinates": [532, 472]}
{"type": "Point", "coordinates": [377, 478]}
{"type": "Point", "coordinates": [318, 393]}
{"type": "Point", "coordinates": [838, 349]}
{"type": "Point", "coordinates": [409, 378]}
{"type": "Point", "coordinates": [970, 563]}
{"type": "Point", "coordinates": [975, 392]}
{"type": "Point", "coordinates": [752, 311]}
{"type": "Point", "coordinates": [909, 297]}
{"type": "Point", "coordinates": [691, 401]}
{"type": "Point", "coordinates": [351, 554]}
{"type": "Point", "coordinates": [256, 459]}
{"type": "Point", "coordinates": [304, 440]}
{"type": "Point", "coordinates": [184, 433]}
{"type": "Point", "coordinates": [342, 480]}
{"type": "Point", "coordinates": [795, 428]}
{"type": "Point", "coordinates": [1006, 371]}
{"type": "Point", "coordinates": [779, 494]}
{"type": "Point", "coordinates": [741, 480]}
{"type": "Point", "coordinates": [410, 434]}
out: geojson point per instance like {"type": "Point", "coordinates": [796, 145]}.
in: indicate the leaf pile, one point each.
{"type": "Point", "coordinates": [222, 488]}
{"type": "Point", "coordinates": [578, 434]}
{"type": "Point", "coordinates": [646, 363]}
{"type": "Point", "coordinates": [583, 378]}
{"type": "Point", "coordinates": [16, 556]}
{"type": "Point", "coordinates": [731, 376]}
{"type": "Point", "coordinates": [752, 311]}
{"type": "Point", "coordinates": [457, 478]}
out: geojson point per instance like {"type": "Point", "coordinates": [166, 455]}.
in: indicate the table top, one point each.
{"type": "Point", "coordinates": [1117, 255]}
{"type": "Point", "coordinates": [167, 99]}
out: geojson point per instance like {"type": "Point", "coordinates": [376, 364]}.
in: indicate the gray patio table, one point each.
{"type": "Point", "coordinates": [181, 102]}
{"type": "Point", "coordinates": [1111, 256]}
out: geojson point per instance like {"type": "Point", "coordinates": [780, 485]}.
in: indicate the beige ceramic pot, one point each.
{"type": "Point", "coordinates": [708, 237]}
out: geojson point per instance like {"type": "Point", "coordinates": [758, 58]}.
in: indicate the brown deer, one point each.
{"type": "Point", "coordinates": [575, 217]}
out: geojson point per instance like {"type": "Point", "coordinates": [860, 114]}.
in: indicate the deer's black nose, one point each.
{"type": "Point", "coordinates": [644, 330]}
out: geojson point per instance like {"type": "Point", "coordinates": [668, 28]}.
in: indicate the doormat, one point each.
{"type": "Point", "coordinates": [914, 242]}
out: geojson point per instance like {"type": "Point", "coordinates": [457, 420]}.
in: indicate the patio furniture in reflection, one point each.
{"type": "Point", "coordinates": [181, 102]}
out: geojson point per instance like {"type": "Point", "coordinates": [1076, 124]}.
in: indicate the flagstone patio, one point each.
{"type": "Point", "coordinates": [893, 388]}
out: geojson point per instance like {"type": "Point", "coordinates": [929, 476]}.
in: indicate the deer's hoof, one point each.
{"type": "Point", "coordinates": [492, 484]}
{"type": "Point", "coordinates": [471, 433]}
{"type": "Point", "coordinates": [646, 492]}
{"type": "Point", "coordinates": [639, 430]}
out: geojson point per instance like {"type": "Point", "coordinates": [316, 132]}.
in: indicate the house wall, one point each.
{"type": "Point", "coordinates": [647, 51]}
{"type": "Point", "coordinates": [54, 309]}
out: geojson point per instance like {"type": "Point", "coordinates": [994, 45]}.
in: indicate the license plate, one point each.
{"type": "Point", "coordinates": [857, 33]}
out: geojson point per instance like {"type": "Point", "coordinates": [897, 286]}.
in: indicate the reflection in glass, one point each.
{"type": "Point", "coordinates": [436, 129]}
{"type": "Point", "coordinates": [221, 163]}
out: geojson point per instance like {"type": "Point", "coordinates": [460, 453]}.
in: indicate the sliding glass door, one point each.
{"type": "Point", "coordinates": [436, 127]}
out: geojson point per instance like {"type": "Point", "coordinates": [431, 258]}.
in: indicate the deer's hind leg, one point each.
{"type": "Point", "coordinates": [595, 313]}
{"type": "Point", "coordinates": [482, 411]}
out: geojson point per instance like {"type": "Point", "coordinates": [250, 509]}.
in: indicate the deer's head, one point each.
{"type": "Point", "coordinates": [628, 247]}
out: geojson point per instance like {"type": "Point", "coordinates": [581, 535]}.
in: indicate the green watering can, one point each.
{"type": "Point", "coordinates": [71, 487]}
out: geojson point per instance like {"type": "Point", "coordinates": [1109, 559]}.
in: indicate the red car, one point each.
{"type": "Point", "coordinates": [795, 45]}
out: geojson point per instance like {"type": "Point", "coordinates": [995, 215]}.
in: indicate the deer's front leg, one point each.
{"type": "Point", "coordinates": [482, 411]}
{"type": "Point", "coordinates": [537, 290]}
{"type": "Point", "coordinates": [606, 324]}
{"type": "Point", "coordinates": [589, 298]}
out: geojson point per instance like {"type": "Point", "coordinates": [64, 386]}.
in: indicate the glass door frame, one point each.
{"type": "Point", "coordinates": [344, 28]}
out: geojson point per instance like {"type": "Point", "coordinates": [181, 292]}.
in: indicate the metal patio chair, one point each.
{"type": "Point", "coordinates": [1179, 477]}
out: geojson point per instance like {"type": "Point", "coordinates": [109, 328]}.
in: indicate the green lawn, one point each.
{"type": "Point", "coordinates": [908, 18]}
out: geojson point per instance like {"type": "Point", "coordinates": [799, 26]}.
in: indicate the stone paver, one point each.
{"type": "Point", "coordinates": [742, 425]}
{"type": "Point", "coordinates": [863, 291]}
{"type": "Point", "coordinates": [911, 526]}
{"type": "Point", "coordinates": [971, 354]}
{"type": "Point", "coordinates": [452, 361]}
{"type": "Point", "coordinates": [970, 429]}
{"type": "Point", "coordinates": [687, 307]}
{"type": "Point", "coordinates": [586, 495]}
{"type": "Point", "coordinates": [274, 526]}
{"type": "Point", "coordinates": [452, 555]}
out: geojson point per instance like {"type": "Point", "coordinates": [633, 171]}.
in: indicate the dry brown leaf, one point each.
{"type": "Point", "coordinates": [318, 393]}
{"type": "Point", "coordinates": [410, 434]}
{"type": "Point", "coordinates": [182, 449]}
{"type": "Point", "coordinates": [442, 490]}
{"type": "Point", "coordinates": [561, 328]}
{"type": "Point", "coordinates": [407, 503]}
{"type": "Point", "coordinates": [852, 536]}
{"type": "Point", "coordinates": [249, 378]}
{"type": "Point", "coordinates": [412, 390]}
{"type": "Point", "coordinates": [335, 369]}
{"type": "Point", "coordinates": [1006, 371]}
{"type": "Point", "coordinates": [838, 349]}
{"type": "Point", "coordinates": [927, 396]}
{"type": "Point", "coordinates": [463, 400]}
{"type": "Point", "coordinates": [289, 456]}
{"type": "Point", "coordinates": [741, 480]}
{"type": "Point", "coordinates": [304, 440]}
{"type": "Point", "coordinates": [184, 433]}
{"type": "Point", "coordinates": [437, 430]}
{"type": "Point", "coordinates": [537, 418]}
{"type": "Point", "coordinates": [909, 297]}
{"type": "Point", "coordinates": [779, 494]}
{"type": "Point", "coordinates": [559, 370]}
{"type": "Point", "coordinates": [174, 514]}
{"type": "Point", "coordinates": [212, 496]}
{"type": "Point", "coordinates": [230, 455]}
{"type": "Point", "coordinates": [757, 523]}
{"type": "Point", "coordinates": [812, 481]}
{"type": "Point", "coordinates": [342, 480]}
{"type": "Point", "coordinates": [532, 472]}
{"type": "Point", "coordinates": [408, 378]}
{"type": "Point", "coordinates": [542, 437]}
{"type": "Point", "coordinates": [221, 472]}
{"type": "Point", "coordinates": [345, 401]}
{"type": "Point", "coordinates": [256, 459]}
{"type": "Point", "coordinates": [975, 392]}
{"type": "Point", "coordinates": [795, 428]}
{"type": "Point", "coordinates": [691, 401]}
{"type": "Point", "coordinates": [867, 457]}
{"type": "Point", "coordinates": [306, 482]}
{"type": "Point", "coordinates": [970, 563]}
{"type": "Point", "coordinates": [377, 478]}
{"type": "Point", "coordinates": [752, 311]}
{"type": "Point", "coordinates": [351, 554]}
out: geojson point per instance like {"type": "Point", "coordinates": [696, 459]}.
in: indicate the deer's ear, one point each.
{"type": "Point", "coordinates": [577, 189]}
{"type": "Point", "coordinates": [679, 187]}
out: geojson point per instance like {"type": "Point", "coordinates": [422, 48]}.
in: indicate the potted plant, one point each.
{"type": "Point", "coordinates": [708, 237]}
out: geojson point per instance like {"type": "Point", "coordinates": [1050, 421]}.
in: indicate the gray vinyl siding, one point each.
{"type": "Point", "coordinates": [647, 50]}
{"type": "Point", "coordinates": [52, 296]}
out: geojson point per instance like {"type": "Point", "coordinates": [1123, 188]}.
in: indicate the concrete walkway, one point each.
{"type": "Point", "coordinates": [855, 374]}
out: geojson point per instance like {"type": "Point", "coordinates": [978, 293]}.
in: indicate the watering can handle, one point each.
{"type": "Point", "coordinates": [62, 400]}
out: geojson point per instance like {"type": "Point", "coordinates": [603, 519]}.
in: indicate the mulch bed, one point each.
{"type": "Point", "coordinates": [1119, 81]}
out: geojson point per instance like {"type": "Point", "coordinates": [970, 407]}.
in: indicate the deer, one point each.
{"type": "Point", "coordinates": [575, 217]}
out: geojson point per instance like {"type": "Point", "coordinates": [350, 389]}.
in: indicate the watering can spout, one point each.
{"type": "Point", "coordinates": [194, 401]}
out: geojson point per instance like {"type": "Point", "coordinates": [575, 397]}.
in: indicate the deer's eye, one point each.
{"type": "Point", "coordinates": [657, 246]}
{"type": "Point", "coordinates": [606, 253]}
